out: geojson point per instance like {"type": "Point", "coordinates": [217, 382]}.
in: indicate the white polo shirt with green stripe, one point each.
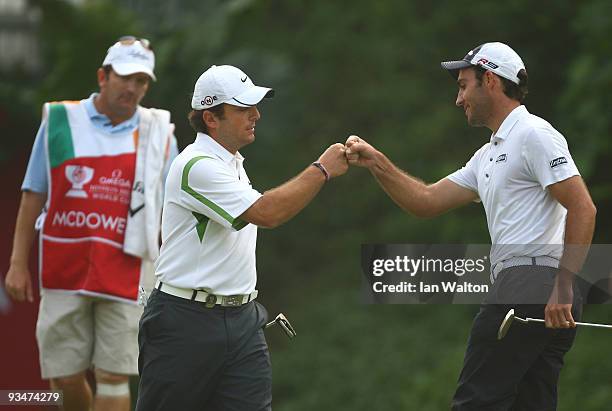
{"type": "Point", "coordinates": [204, 243]}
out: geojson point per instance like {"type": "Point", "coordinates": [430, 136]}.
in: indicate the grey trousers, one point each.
{"type": "Point", "coordinates": [196, 358]}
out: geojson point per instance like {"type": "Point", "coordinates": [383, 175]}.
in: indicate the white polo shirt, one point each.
{"type": "Point", "coordinates": [204, 243]}
{"type": "Point", "coordinates": [510, 175]}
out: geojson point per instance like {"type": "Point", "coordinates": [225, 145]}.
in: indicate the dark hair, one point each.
{"type": "Point", "coordinates": [107, 69]}
{"type": "Point", "coordinates": [196, 120]}
{"type": "Point", "coordinates": [511, 89]}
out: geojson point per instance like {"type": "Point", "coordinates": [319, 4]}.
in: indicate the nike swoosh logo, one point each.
{"type": "Point", "coordinates": [137, 209]}
{"type": "Point", "coordinates": [243, 79]}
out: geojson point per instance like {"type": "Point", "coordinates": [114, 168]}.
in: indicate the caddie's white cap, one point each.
{"type": "Point", "coordinates": [129, 57]}
{"type": "Point", "coordinates": [226, 84]}
{"type": "Point", "coordinates": [497, 57]}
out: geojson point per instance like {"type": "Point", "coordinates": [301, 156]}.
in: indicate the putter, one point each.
{"type": "Point", "coordinates": [284, 323]}
{"type": "Point", "coordinates": [510, 317]}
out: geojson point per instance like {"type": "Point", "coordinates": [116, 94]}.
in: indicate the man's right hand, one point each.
{"type": "Point", "coordinates": [18, 284]}
{"type": "Point", "coordinates": [360, 153]}
{"type": "Point", "coordinates": [18, 279]}
{"type": "Point", "coordinates": [334, 160]}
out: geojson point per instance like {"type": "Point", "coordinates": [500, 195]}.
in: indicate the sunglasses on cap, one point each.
{"type": "Point", "coordinates": [129, 40]}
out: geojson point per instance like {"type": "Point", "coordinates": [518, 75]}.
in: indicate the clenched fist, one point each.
{"type": "Point", "coordinates": [334, 160]}
{"type": "Point", "coordinates": [359, 152]}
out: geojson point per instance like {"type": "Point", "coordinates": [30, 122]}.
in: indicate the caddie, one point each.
{"type": "Point", "coordinates": [97, 167]}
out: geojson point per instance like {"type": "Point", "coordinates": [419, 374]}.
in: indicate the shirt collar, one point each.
{"type": "Point", "coordinates": [90, 107]}
{"type": "Point", "coordinates": [509, 122]}
{"type": "Point", "coordinates": [102, 121]}
{"type": "Point", "coordinates": [207, 142]}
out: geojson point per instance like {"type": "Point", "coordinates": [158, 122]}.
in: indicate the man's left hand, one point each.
{"type": "Point", "coordinates": [558, 311]}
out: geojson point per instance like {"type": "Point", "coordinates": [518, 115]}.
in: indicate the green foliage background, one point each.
{"type": "Point", "coordinates": [370, 68]}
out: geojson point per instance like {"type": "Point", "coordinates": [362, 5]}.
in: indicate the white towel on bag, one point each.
{"type": "Point", "coordinates": [144, 217]}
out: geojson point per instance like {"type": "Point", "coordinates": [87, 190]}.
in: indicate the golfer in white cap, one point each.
{"type": "Point", "coordinates": [202, 345]}
{"type": "Point", "coordinates": [535, 202]}
{"type": "Point", "coordinates": [91, 162]}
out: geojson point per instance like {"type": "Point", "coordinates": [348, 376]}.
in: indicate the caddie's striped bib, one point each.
{"type": "Point", "coordinates": [91, 173]}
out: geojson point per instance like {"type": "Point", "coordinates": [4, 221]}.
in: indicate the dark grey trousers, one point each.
{"type": "Point", "coordinates": [521, 371]}
{"type": "Point", "coordinates": [198, 358]}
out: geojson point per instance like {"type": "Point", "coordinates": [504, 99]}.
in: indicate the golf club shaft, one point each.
{"type": "Point", "coordinates": [539, 320]}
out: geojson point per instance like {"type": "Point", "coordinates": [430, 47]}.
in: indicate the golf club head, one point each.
{"type": "Point", "coordinates": [505, 325]}
{"type": "Point", "coordinates": [285, 325]}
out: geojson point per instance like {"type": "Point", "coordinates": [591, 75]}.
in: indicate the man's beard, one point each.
{"type": "Point", "coordinates": [480, 113]}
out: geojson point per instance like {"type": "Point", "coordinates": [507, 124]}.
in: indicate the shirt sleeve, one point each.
{"type": "Point", "coordinates": [548, 158]}
{"type": "Point", "coordinates": [36, 178]}
{"type": "Point", "coordinates": [210, 187]}
{"type": "Point", "coordinates": [467, 176]}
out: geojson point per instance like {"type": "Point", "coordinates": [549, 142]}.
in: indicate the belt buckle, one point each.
{"type": "Point", "coordinates": [232, 300]}
{"type": "Point", "coordinates": [211, 300]}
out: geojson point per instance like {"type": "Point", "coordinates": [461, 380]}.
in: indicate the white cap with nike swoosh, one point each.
{"type": "Point", "coordinates": [229, 85]}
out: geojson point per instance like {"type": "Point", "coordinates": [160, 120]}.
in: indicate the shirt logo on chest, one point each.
{"type": "Point", "coordinates": [501, 159]}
